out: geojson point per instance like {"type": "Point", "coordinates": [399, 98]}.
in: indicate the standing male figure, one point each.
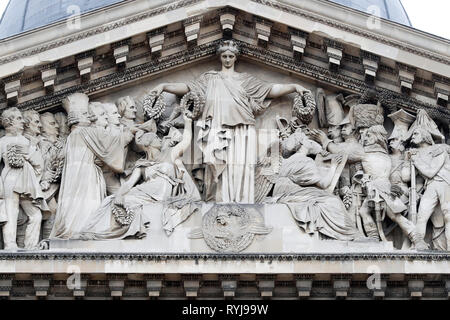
{"type": "Point", "coordinates": [433, 163]}
{"type": "Point", "coordinates": [21, 185]}
{"type": "Point", "coordinates": [116, 128]}
{"type": "Point", "coordinates": [52, 148]}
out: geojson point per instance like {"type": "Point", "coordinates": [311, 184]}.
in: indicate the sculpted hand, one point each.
{"type": "Point", "coordinates": [72, 119]}
{"type": "Point", "coordinates": [396, 191]}
{"type": "Point", "coordinates": [319, 136]}
{"type": "Point", "coordinates": [22, 149]}
{"type": "Point", "coordinates": [158, 89]}
{"type": "Point", "coordinates": [324, 153]}
{"type": "Point", "coordinates": [133, 130]}
{"type": "Point", "coordinates": [98, 162]}
{"type": "Point", "coordinates": [45, 185]}
{"type": "Point", "coordinates": [118, 200]}
{"type": "Point", "coordinates": [300, 89]}
{"type": "Point", "coordinates": [336, 160]}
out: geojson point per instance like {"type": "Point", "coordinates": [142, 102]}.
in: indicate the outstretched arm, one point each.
{"type": "Point", "coordinates": [178, 89]}
{"type": "Point", "coordinates": [179, 149]}
{"type": "Point", "coordinates": [279, 90]}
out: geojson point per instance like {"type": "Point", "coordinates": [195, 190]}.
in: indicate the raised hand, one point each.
{"type": "Point", "coordinates": [336, 160]}
{"type": "Point", "coordinates": [45, 185]}
{"type": "Point", "coordinates": [119, 200]}
{"type": "Point", "coordinates": [300, 89]}
{"type": "Point", "coordinates": [318, 136]}
{"type": "Point", "coordinates": [158, 89]}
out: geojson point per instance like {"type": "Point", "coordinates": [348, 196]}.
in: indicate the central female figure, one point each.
{"type": "Point", "coordinates": [227, 135]}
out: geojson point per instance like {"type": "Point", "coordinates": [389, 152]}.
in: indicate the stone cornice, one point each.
{"type": "Point", "coordinates": [98, 30]}
{"type": "Point", "coordinates": [158, 257]}
{"type": "Point", "coordinates": [132, 74]}
{"type": "Point", "coordinates": [358, 31]}
{"type": "Point", "coordinates": [185, 3]}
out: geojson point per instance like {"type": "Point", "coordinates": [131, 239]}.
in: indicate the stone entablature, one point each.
{"type": "Point", "coordinates": [301, 276]}
{"type": "Point", "coordinates": [300, 177]}
{"type": "Point", "coordinates": [244, 30]}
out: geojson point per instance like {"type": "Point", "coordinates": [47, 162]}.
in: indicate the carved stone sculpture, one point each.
{"type": "Point", "coordinates": [228, 139]}
{"type": "Point", "coordinates": [230, 228]}
{"type": "Point", "coordinates": [432, 162]}
{"type": "Point", "coordinates": [52, 147]}
{"type": "Point", "coordinates": [20, 183]}
{"type": "Point", "coordinates": [165, 181]}
{"type": "Point", "coordinates": [82, 184]}
{"type": "Point", "coordinates": [301, 186]}
{"type": "Point", "coordinates": [116, 128]}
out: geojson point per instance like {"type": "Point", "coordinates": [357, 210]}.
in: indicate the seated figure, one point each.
{"type": "Point", "coordinates": [301, 185]}
{"type": "Point", "coordinates": [165, 181]}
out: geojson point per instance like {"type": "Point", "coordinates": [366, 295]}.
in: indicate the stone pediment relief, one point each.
{"type": "Point", "coordinates": [214, 158]}
{"type": "Point", "coordinates": [164, 148]}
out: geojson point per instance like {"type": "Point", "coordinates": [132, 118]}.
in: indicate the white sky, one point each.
{"type": "Point", "coordinates": [428, 15]}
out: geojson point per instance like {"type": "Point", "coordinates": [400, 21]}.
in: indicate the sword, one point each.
{"type": "Point", "coordinates": [412, 214]}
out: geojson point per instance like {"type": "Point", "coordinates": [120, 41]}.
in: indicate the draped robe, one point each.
{"type": "Point", "coordinates": [314, 209]}
{"type": "Point", "coordinates": [82, 184]}
{"type": "Point", "coordinates": [227, 135]}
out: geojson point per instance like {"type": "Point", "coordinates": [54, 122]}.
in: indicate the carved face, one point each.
{"type": "Point", "coordinates": [17, 121]}
{"type": "Point", "coordinates": [49, 125]}
{"type": "Point", "coordinates": [396, 144]}
{"type": "Point", "coordinates": [228, 59]}
{"type": "Point", "coordinates": [113, 114]}
{"type": "Point", "coordinates": [98, 110]}
{"type": "Point", "coordinates": [130, 110]}
{"type": "Point", "coordinates": [368, 138]}
{"type": "Point", "coordinates": [334, 132]}
{"type": "Point", "coordinates": [347, 130]}
{"type": "Point", "coordinates": [34, 124]}
{"type": "Point", "coordinates": [417, 137]}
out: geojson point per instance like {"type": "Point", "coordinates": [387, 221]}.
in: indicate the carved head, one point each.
{"type": "Point", "coordinates": [375, 135]}
{"type": "Point", "coordinates": [334, 132]}
{"type": "Point", "coordinates": [99, 113]}
{"type": "Point", "coordinates": [32, 122]}
{"type": "Point", "coordinates": [146, 141]}
{"type": "Point", "coordinates": [396, 144]}
{"type": "Point", "coordinates": [228, 52]}
{"type": "Point", "coordinates": [61, 119]}
{"type": "Point", "coordinates": [76, 106]}
{"type": "Point", "coordinates": [12, 120]}
{"type": "Point", "coordinates": [112, 113]}
{"type": "Point", "coordinates": [50, 127]}
{"type": "Point", "coordinates": [347, 127]}
{"type": "Point", "coordinates": [127, 107]}
{"type": "Point", "coordinates": [421, 135]}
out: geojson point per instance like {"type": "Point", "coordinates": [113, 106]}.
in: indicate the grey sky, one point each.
{"type": "Point", "coordinates": [427, 15]}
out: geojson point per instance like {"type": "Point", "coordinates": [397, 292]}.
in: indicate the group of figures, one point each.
{"type": "Point", "coordinates": [92, 173]}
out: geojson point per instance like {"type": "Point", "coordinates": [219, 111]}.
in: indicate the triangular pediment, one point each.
{"type": "Point", "coordinates": [288, 44]}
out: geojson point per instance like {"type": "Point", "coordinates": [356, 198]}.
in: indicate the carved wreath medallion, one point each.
{"type": "Point", "coordinates": [231, 227]}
